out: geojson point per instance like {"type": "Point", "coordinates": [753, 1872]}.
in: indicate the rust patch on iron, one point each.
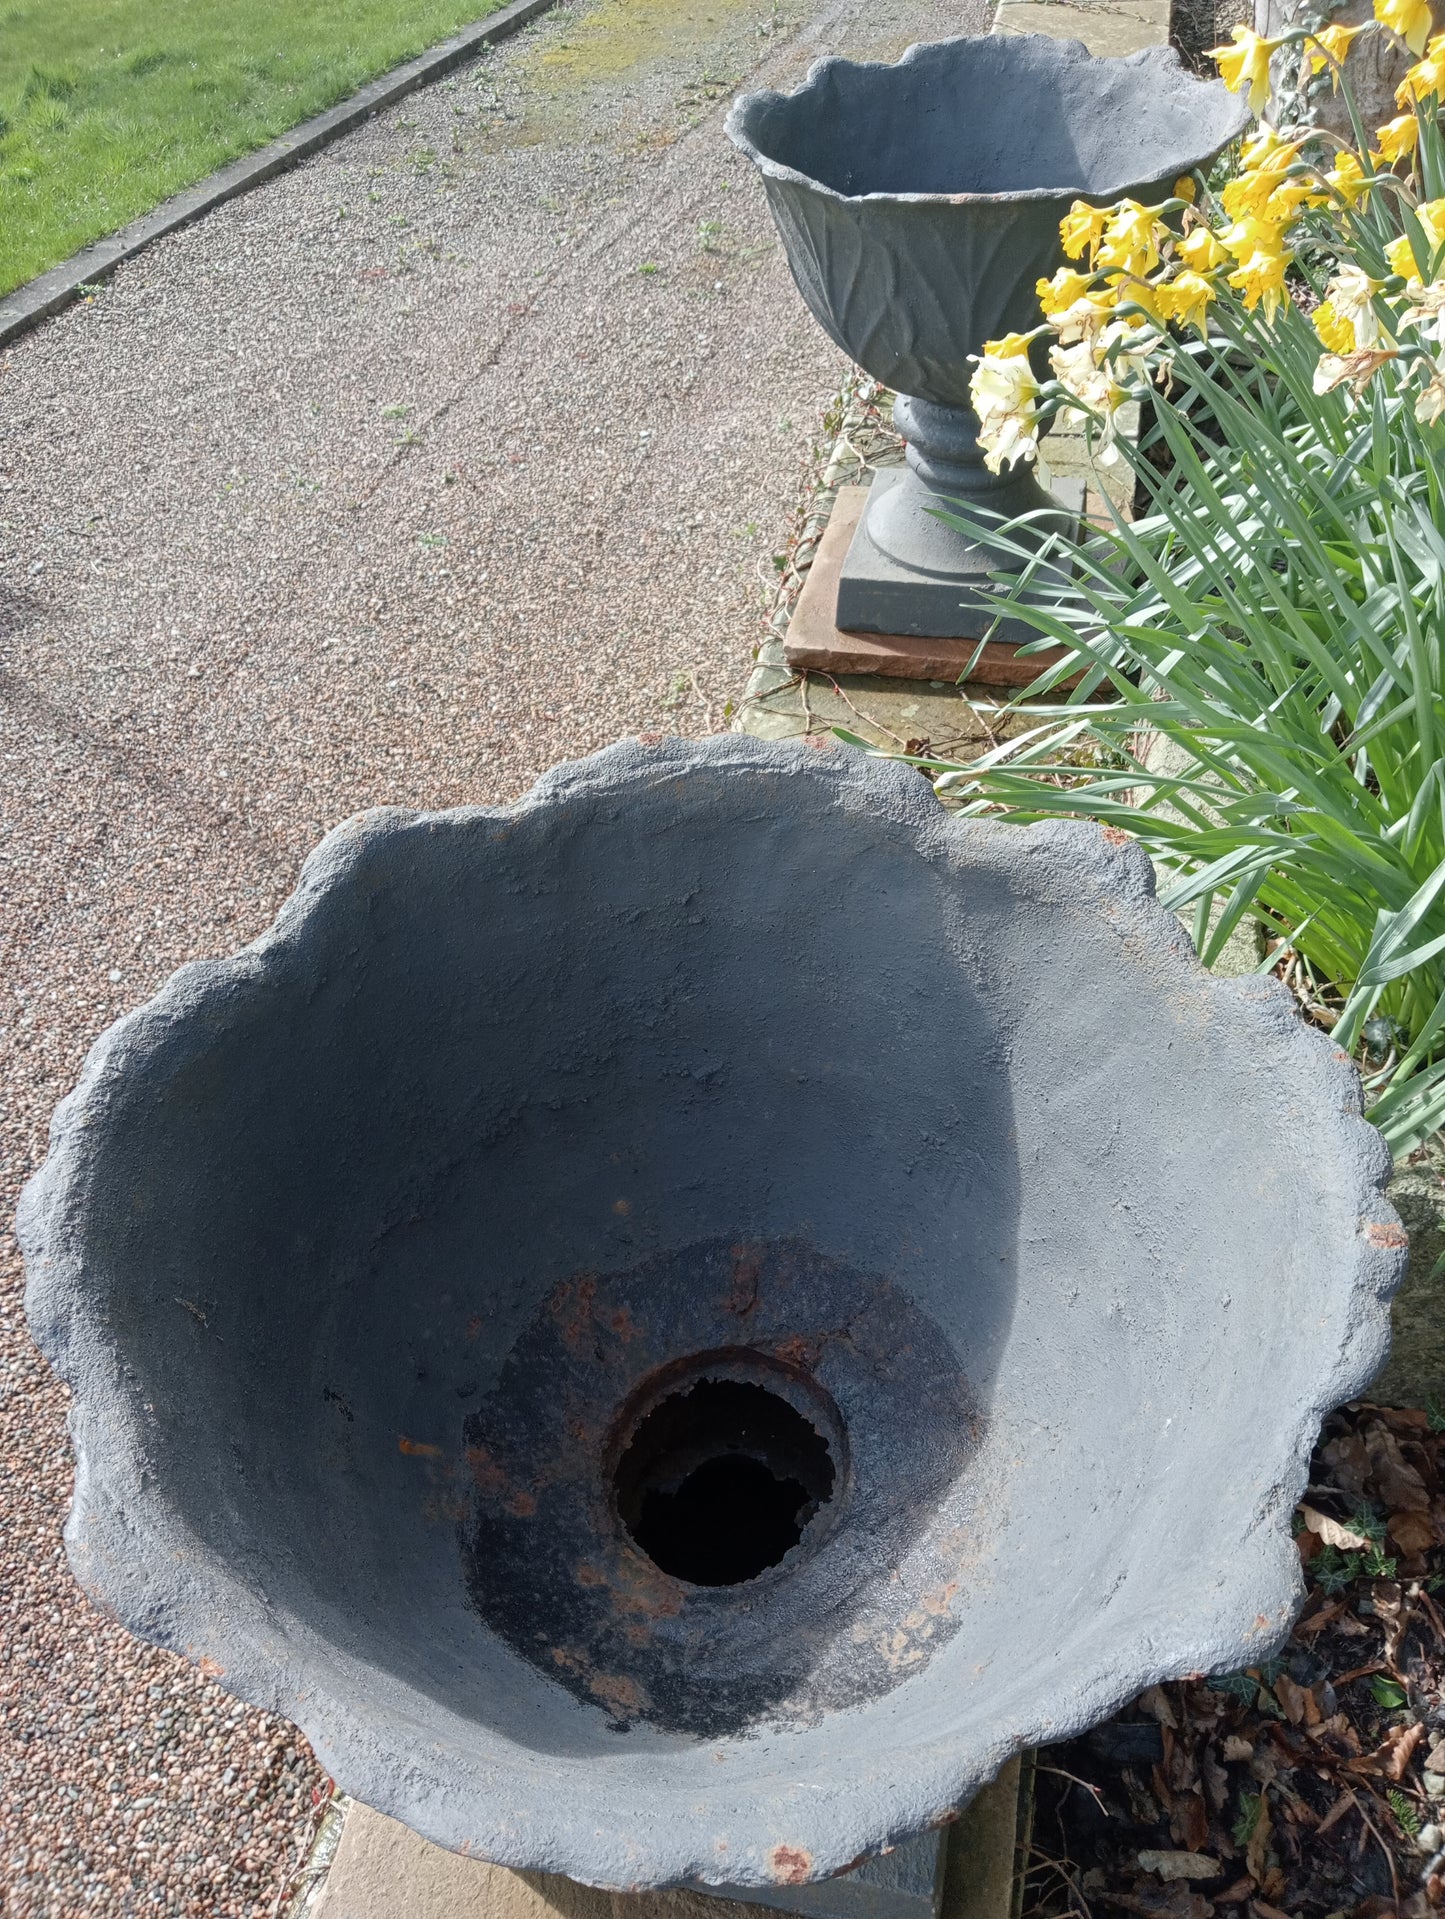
{"type": "Point", "coordinates": [798, 1351]}
{"type": "Point", "coordinates": [418, 1448]}
{"type": "Point", "coordinates": [1380, 1234]}
{"type": "Point", "coordinates": [522, 1505]}
{"type": "Point", "coordinates": [571, 1307]}
{"type": "Point", "coordinates": [742, 1295]}
{"type": "Point", "coordinates": [489, 1476]}
{"type": "Point", "coordinates": [790, 1865]}
{"type": "Point", "coordinates": [1114, 836]}
{"type": "Point", "coordinates": [211, 1668]}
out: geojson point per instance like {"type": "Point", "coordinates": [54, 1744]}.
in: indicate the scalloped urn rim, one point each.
{"type": "Point", "coordinates": [1161, 63]}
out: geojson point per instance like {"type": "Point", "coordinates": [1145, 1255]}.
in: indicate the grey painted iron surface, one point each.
{"type": "Point", "coordinates": [368, 1253]}
{"type": "Point", "coordinates": [919, 205]}
{"type": "Point", "coordinates": [906, 1883]}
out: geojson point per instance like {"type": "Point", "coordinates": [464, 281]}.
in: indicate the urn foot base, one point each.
{"type": "Point", "coordinates": [815, 642]}
{"type": "Point", "coordinates": [879, 592]}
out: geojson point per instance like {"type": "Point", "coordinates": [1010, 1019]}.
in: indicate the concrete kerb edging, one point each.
{"type": "Point", "coordinates": [51, 291]}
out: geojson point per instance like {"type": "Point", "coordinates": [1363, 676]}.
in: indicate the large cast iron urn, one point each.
{"type": "Point", "coordinates": [674, 1325]}
{"type": "Point", "coordinates": [919, 205]}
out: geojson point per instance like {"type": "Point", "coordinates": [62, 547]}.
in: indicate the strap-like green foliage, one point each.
{"type": "Point", "coordinates": [1277, 613]}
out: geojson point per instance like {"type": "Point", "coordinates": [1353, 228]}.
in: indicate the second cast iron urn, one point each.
{"type": "Point", "coordinates": [919, 205]}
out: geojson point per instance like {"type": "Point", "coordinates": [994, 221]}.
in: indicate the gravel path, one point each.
{"type": "Point", "coordinates": [459, 451]}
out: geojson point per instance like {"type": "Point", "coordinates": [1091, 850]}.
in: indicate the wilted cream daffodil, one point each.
{"type": "Point", "coordinates": [1086, 319]}
{"type": "Point", "coordinates": [1398, 138]}
{"type": "Point", "coordinates": [1428, 311]}
{"type": "Point", "coordinates": [1411, 19]}
{"type": "Point", "coordinates": [1430, 400]}
{"type": "Point", "coordinates": [1005, 398]}
{"type": "Point", "coordinates": [1094, 374]}
{"type": "Point", "coordinates": [1351, 296]}
{"type": "Point", "coordinates": [1245, 65]}
{"type": "Point", "coordinates": [1357, 369]}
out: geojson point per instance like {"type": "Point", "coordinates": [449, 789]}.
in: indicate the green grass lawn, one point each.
{"type": "Point", "coordinates": [108, 106]}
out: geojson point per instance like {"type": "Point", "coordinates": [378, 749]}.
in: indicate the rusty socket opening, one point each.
{"type": "Point", "coordinates": [721, 1476]}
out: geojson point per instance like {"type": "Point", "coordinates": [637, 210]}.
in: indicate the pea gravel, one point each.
{"type": "Point", "coordinates": [458, 451]}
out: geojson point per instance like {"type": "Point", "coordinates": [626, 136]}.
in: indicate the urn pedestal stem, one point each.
{"type": "Point", "coordinates": [910, 571]}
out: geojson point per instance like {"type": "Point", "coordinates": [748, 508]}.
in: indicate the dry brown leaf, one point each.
{"type": "Point", "coordinates": [1391, 1756]}
{"type": "Point", "coordinates": [1401, 1487]}
{"type": "Point", "coordinates": [1256, 1855]}
{"type": "Point", "coordinates": [1264, 1910]}
{"type": "Point", "coordinates": [1330, 1532]}
{"type": "Point", "coordinates": [1180, 1865]}
{"type": "Point", "coordinates": [1349, 1464]}
{"type": "Point", "coordinates": [1412, 1532]}
{"type": "Point", "coordinates": [1235, 1894]}
{"type": "Point", "coordinates": [1336, 1813]}
{"type": "Point", "coordinates": [1189, 1821]}
{"type": "Point", "coordinates": [1156, 1703]}
{"type": "Point", "coordinates": [1294, 1699]}
{"type": "Point", "coordinates": [1236, 1748]}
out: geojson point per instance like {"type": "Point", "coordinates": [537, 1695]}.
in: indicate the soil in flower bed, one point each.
{"type": "Point", "coordinates": [1195, 25]}
{"type": "Point", "coordinates": [1312, 1784]}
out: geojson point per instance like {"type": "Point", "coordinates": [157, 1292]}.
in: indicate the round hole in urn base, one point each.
{"type": "Point", "coordinates": [720, 1479]}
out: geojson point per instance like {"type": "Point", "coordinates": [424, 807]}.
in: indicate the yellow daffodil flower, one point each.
{"type": "Point", "coordinates": [1185, 189]}
{"type": "Point", "coordinates": [1186, 300]}
{"type": "Point", "coordinates": [1426, 79]}
{"type": "Point", "coordinates": [1063, 290]}
{"type": "Point", "coordinates": [1411, 19]}
{"type": "Point", "coordinates": [1259, 277]}
{"type": "Point", "coordinates": [1398, 139]}
{"type": "Point", "coordinates": [1348, 178]}
{"type": "Point", "coordinates": [1005, 398]}
{"type": "Point", "coordinates": [1248, 192]}
{"type": "Point", "coordinates": [1263, 147]}
{"type": "Point", "coordinates": [1244, 67]}
{"type": "Point", "coordinates": [1328, 48]}
{"type": "Point", "coordinates": [1131, 239]}
{"type": "Point", "coordinates": [1082, 228]}
{"type": "Point", "coordinates": [1200, 251]}
{"type": "Point", "coordinates": [1400, 253]}
{"type": "Point", "coordinates": [1337, 334]}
